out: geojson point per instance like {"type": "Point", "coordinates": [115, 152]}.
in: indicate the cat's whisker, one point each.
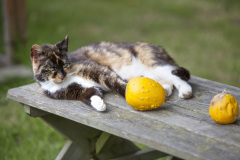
{"type": "Point", "coordinates": [33, 80]}
{"type": "Point", "coordinates": [70, 74]}
{"type": "Point", "coordinates": [47, 83]}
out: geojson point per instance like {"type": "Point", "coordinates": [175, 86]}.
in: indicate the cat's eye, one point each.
{"type": "Point", "coordinates": [65, 65]}
{"type": "Point", "coordinates": [50, 69]}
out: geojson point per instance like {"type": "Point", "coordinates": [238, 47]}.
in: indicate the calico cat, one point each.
{"type": "Point", "coordinates": [85, 74]}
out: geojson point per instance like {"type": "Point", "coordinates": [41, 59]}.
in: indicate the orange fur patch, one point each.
{"type": "Point", "coordinates": [145, 54]}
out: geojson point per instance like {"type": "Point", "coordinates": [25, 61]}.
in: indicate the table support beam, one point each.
{"type": "Point", "coordinates": [87, 143]}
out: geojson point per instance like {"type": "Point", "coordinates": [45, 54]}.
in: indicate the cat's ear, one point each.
{"type": "Point", "coordinates": [63, 45]}
{"type": "Point", "coordinates": [36, 52]}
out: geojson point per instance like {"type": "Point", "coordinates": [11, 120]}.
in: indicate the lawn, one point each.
{"type": "Point", "coordinates": [202, 36]}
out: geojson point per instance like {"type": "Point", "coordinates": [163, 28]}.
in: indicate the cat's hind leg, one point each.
{"type": "Point", "coordinates": [180, 76]}
{"type": "Point", "coordinates": [93, 96]}
{"type": "Point", "coordinates": [184, 89]}
{"type": "Point", "coordinates": [173, 75]}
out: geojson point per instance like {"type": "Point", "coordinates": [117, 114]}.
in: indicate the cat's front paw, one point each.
{"type": "Point", "coordinates": [185, 91]}
{"type": "Point", "coordinates": [98, 103]}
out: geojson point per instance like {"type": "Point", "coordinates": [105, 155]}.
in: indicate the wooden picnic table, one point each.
{"type": "Point", "coordinates": [182, 128]}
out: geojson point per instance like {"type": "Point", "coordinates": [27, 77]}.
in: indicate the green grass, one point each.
{"type": "Point", "coordinates": [23, 137]}
{"type": "Point", "coordinates": [202, 36]}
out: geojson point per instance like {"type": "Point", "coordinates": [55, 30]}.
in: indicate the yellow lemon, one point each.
{"type": "Point", "coordinates": [144, 94]}
{"type": "Point", "coordinates": [224, 108]}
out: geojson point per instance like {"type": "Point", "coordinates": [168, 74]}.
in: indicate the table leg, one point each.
{"type": "Point", "coordinates": [88, 143]}
{"type": "Point", "coordinates": [69, 151]}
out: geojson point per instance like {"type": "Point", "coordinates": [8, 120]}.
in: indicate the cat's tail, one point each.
{"type": "Point", "coordinates": [182, 73]}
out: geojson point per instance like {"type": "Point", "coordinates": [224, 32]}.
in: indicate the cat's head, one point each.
{"type": "Point", "coordinates": [50, 62]}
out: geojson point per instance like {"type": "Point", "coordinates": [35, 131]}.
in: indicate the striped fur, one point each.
{"type": "Point", "coordinates": [98, 67]}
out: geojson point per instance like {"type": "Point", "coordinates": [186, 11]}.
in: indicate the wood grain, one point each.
{"type": "Point", "coordinates": [182, 128]}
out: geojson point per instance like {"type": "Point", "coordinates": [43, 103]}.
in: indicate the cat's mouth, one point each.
{"type": "Point", "coordinates": [60, 78]}
{"type": "Point", "coordinates": [58, 81]}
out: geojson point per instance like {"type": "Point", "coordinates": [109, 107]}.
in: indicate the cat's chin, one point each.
{"type": "Point", "coordinates": [57, 81]}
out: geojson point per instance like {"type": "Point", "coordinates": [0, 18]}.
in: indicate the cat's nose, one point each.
{"type": "Point", "coordinates": [60, 76]}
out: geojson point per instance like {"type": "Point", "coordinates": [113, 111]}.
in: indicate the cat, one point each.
{"type": "Point", "coordinates": [88, 72]}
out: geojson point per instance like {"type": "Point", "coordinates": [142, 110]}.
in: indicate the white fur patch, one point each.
{"type": "Point", "coordinates": [168, 89]}
{"type": "Point", "coordinates": [53, 87]}
{"type": "Point", "coordinates": [98, 103]}
{"type": "Point", "coordinates": [136, 69]}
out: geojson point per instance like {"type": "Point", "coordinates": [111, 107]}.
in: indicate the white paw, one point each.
{"type": "Point", "coordinates": [185, 91]}
{"type": "Point", "coordinates": [168, 89]}
{"type": "Point", "coordinates": [97, 103]}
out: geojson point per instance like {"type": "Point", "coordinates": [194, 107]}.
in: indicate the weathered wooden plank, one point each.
{"type": "Point", "coordinates": [114, 146]}
{"type": "Point", "coordinates": [86, 140]}
{"type": "Point", "coordinates": [34, 112]}
{"type": "Point", "coordinates": [181, 128]}
{"type": "Point", "coordinates": [148, 154]}
{"type": "Point", "coordinates": [202, 125]}
{"type": "Point", "coordinates": [102, 140]}
{"type": "Point", "coordinates": [172, 158]}
{"type": "Point", "coordinates": [82, 136]}
{"type": "Point", "coordinates": [69, 151]}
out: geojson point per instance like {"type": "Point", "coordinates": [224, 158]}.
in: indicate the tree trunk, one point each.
{"type": "Point", "coordinates": [15, 27]}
